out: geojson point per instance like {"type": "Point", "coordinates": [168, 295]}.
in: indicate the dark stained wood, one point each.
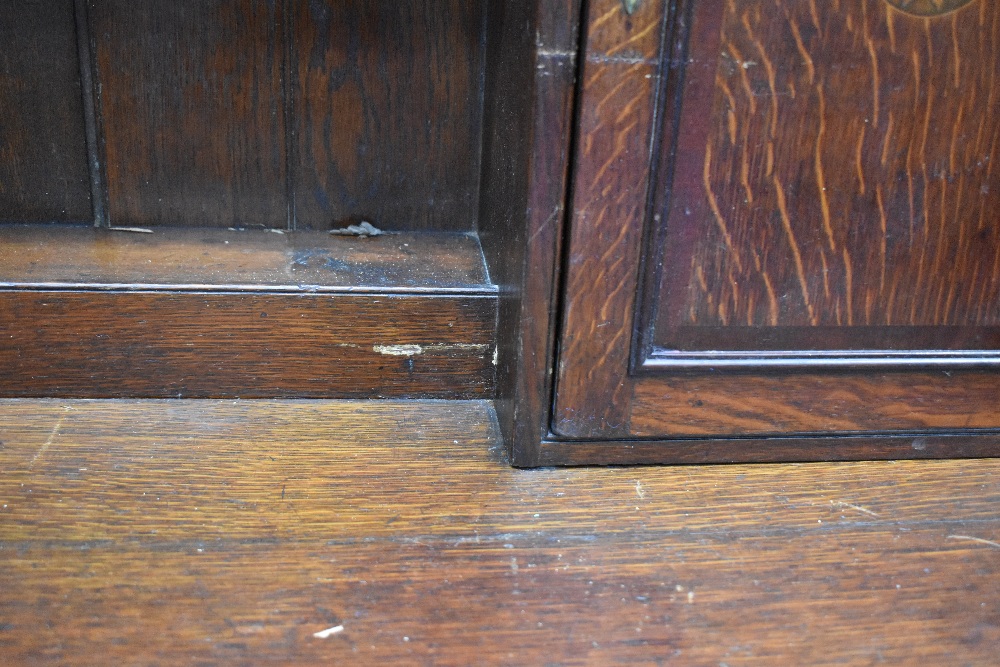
{"type": "Point", "coordinates": [182, 343]}
{"type": "Point", "coordinates": [43, 147]}
{"type": "Point", "coordinates": [387, 112]}
{"type": "Point", "coordinates": [619, 82]}
{"type": "Point", "coordinates": [238, 113]}
{"type": "Point", "coordinates": [610, 392]}
{"type": "Point", "coordinates": [187, 532]}
{"type": "Point", "coordinates": [177, 258]}
{"type": "Point", "coordinates": [206, 312]}
{"type": "Point", "coordinates": [734, 404]}
{"type": "Point", "coordinates": [532, 69]}
{"type": "Point", "coordinates": [770, 450]}
{"type": "Point", "coordinates": [192, 107]}
{"type": "Point", "coordinates": [928, 7]}
{"type": "Point", "coordinates": [839, 171]}
{"type": "Point", "coordinates": [828, 341]}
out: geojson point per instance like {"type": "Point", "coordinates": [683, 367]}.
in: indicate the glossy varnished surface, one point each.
{"type": "Point", "coordinates": [532, 60]}
{"type": "Point", "coordinates": [231, 532]}
{"type": "Point", "coordinates": [33, 255]}
{"type": "Point", "coordinates": [246, 344]}
{"type": "Point", "coordinates": [866, 402]}
{"type": "Point", "coordinates": [616, 110]}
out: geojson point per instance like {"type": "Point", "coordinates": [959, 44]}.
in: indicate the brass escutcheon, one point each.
{"type": "Point", "coordinates": [928, 7]}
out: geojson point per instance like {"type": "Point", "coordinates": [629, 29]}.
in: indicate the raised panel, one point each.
{"type": "Point", "coordinates": [836, 185]}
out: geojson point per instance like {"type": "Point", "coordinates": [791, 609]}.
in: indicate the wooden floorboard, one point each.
{"type": "Point", "coordinates": [229, 532]}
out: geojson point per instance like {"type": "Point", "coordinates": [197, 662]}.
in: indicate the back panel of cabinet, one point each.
{"type": "Point", "coordinates": [43, 148]}
{"type": "Point", "coordinates": [286, 114]}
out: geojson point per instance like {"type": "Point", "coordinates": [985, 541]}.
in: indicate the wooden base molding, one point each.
{"type": "Point", "coordinates": [89, 313]}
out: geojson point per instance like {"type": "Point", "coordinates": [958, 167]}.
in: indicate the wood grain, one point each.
{"type": "Point", "coordinates": [532, 67]}
{"type": "Point", "coordinates": [43, 148]}
{"type": "Point", "coordinates": [246, 344]}
{"type": "Point", "coordinates": [607, 397]}
{"type": "Point", "coordinates": [387, 112]}
{"type": "Point", "coordinates": [616, 108]}
{"type": "Point", "coordinates": [220, 531]}
{"type": "Point", "coordinates": [39, 257]}
{"type": "Point", "coordinates": [742, 404]}
{"type": "Point", "coordinates": [846, 176]}
{"type": "Point", "coordinates": [193, 114]}
{"type": "Point", "coordinates": [248, 115]}
{"type": "Point", "coordinates": [782, 449]}
{"type": "Point", "coordinates": [928, 7]}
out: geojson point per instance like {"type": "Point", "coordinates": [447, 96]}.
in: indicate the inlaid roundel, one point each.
{"type": "Point", "coordinates": [928, 7]}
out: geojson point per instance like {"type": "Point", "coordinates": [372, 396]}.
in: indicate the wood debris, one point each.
{"type": "Point", "coordinates": [363, 230]}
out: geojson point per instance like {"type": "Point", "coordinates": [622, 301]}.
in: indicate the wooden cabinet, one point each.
{"type": "Point", "coordinates": [204, 150]}
{"type": "Point", "coordinates": [657, 230]}
{"type": "Point", "coordinates": [780, 239]}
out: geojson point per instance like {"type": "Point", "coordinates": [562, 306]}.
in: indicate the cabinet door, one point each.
{"type": "Point", "coordinates": [785, 221]}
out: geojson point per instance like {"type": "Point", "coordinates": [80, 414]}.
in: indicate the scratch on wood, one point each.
{"type": "Point", "coordinates": [603, 59]}
{"type": "Point", "coordinates": [323, 634]}
{"type": "Point", "coordinates": [974, 539]}
{"type": "Point", "coordinates": [48, 443]}
{"type": "Point", "coordinates": [859, 508]}
{"type": "Point", "coordinates": [449, 347]}
{"type": "Point", "coordinates": [556, 54]}
{"type": "Point", "coordinates": [411, 350]}
{"type": "Point", "coordinates": [399, 350]}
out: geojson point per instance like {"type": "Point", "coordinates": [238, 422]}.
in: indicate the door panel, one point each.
{"type": "Point", "coordinates": [842, 184]}
{"type": "Point", "coordinates": [809, 240]}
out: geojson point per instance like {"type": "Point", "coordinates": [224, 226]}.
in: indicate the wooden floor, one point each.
{"type": "Point", "coordinates": [231, 532]}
